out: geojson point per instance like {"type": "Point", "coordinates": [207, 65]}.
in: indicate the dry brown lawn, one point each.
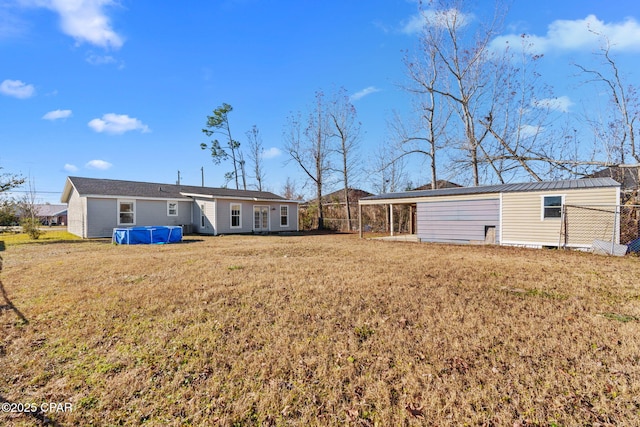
{"type": "Point", "coordinates": [318, 330]}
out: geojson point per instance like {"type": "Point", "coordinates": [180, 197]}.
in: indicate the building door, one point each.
{"type": "Point", "coordinates": [260, 218]}
{"type": "Point", "coordinates": [207, 217]}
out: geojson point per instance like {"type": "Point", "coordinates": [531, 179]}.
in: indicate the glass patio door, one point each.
{"type": "Point", "coordinates": [261, 218]}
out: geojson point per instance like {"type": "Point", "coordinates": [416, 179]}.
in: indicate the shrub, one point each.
{"type": "Point", "coordinates": [31, 226]}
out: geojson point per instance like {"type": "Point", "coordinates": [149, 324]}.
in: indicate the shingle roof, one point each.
{"type": "Point", "coordinates": [51, 210]}
{"type": "Point", "coordinates": [569, 184]}
{"type": "Point", "coordinates": [440, 183]}
{"type": "Point", "coordinates": [113, 187]}
{"type": "Point", "coordinates": [627, 176]}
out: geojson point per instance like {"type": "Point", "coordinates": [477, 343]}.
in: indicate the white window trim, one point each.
{"type": "Point", "coordinates": [542, 217]}
{"type": "Point", "coordinates": [280, 218]}
{"type": "Point", "coordinates": [231, 215]}
{"type": "Point", "coordinates": [169, 202]}
{"type": "Point", "coordinates": [120, 201]}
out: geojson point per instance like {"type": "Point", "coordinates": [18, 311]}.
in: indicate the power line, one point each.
{"type": "Point", "coordinates": [36, 192]}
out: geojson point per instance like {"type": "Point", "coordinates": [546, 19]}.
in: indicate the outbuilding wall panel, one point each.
{"type": "Point", "coordinates": [523, 222]}
{"type": "Point", "coordinates": [457, 220]}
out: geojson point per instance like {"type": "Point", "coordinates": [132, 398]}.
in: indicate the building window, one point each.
{"type": "Point", "coordinates": [126, 212]}
{"type": "Point", "coordinates": [235, 215]}
{"type": "Point", "coordinates": [284, 216]}
{"type": "Point", "coordinates": [203, 217]}
{"type": "Point", "coordinates": [551, 207]}
{"type": "Point", "coordinates": [172, 208]}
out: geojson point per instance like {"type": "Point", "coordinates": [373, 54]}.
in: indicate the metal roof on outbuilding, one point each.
{"type": "Point", "coordinates": [569, 184]}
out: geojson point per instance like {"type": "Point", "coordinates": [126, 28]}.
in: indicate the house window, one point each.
{"type": "Point", "coordinates": [202, 217]}
{"type": "Point", "coordinates": [551, 207]}
{"type": "Point", "coordinates": [172, 208]}
{"type": "Point", "coordinates": [235, 215]}
{"type": "Point", "coordinates": [284, 216]}
{"type": "Point", "coordinates": [126, 212]}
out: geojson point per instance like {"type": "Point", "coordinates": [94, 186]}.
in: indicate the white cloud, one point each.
{"type": "Point", "coordinates": [17, 89]}
{"type": "Point", "coordinates": [117, 124]}
{"type": "Point", "coordinates": [561, 103]}
{"type": "Point", "coordinates": [529, 130]}
{"type": "Point", "coordinates": [270, 153]}
{"type": "Point", "coordinates": [364, 92]}
{"type": "Point", "coordinates": [70, 168]}
{"type": "Point", "coordinates": [437, 19]}
{"type": "Point", "coordinates": [579, 35]}
{"type": "Point", "coordinates": [98, 164]}
{"type": "Point", "coordinates": [84, 20]}
{"type": "Point", "coordinates": [57, 114]}
{"type": "Point", "coordinates": [414, 25]}
{"type": "Point", "coordinates": [95, 59]}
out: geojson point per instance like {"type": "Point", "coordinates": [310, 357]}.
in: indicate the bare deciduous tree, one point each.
{"type": "Point", "coordinates": [9, 181]}
{"type": "Point", "coordinates": [388, 170]}
{"type": "Point", "coordinates": [345, 130]}
{"type": "Point", "coordinates": [307, 143]}
{"type": "Point", "coordinates": [256, 151]}
{"type": "Point", "coordinates": [461, 56]}
{"type": "Point", "coordinates": [426, 136]}
{"type": "Point", "coordinates": [618, 131]}
{"type": "Point", "coordinates": [29, 212]}
{"type": "Point", "coordinates": [290, 190]}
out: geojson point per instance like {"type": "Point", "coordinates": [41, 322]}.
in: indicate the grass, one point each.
{"type": "Point", "coordinates": [319, 330]}
{"type": "Point", "coordinates": [50, 235]}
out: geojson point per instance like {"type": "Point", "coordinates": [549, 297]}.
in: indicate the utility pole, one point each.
{"type": "Point", "coordinates": [202, 172]}
{"type": "Point", "coordinates": [178, 178]}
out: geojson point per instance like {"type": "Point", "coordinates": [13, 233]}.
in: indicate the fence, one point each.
{"type": "Point", "coordinates": [334, 224]}
{"type": "Point", "coordinates": [600, 227]}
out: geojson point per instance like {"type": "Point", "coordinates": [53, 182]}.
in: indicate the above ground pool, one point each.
{"type": "Point", "coordinates": [147, 235]}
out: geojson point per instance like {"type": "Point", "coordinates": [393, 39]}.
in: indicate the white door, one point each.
{"type": "Point", "coordinates": [260, 218]}
{"type": "Point", "coordinates": [207, 217]}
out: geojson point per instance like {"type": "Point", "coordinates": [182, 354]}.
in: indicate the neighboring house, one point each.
{"type": "Point", "coordinates": [508, 214]}
{"type": "Point", "coordinates": [333, 209]}
{"type": "Point", "coordinates": [97, 206]}
{"type": "Point", "coordinates": [52, 214]}
{"type": "Point", "coordinates": [627, 176]}
{"type": "Point", "coordinates": [440, 183]}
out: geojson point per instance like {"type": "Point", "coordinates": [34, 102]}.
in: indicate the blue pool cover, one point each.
{"type": "Point", "coordinates": [147, 235]}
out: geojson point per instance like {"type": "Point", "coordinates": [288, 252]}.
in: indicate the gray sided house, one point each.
{"type": "Point", "coordinates": [97, 206]}
{"type": "Point", "coordinates": [526, 214]}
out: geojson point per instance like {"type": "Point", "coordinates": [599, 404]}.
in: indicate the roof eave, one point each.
{"type": "Point", "coordinates": [251, 199]}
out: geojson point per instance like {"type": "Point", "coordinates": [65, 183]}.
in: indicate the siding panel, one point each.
{"type": "Point", "coordinates": [522, 221]}
{"type": "Point", "coordinates": [102, 216]}
{"type": "Point", "coordinates": [75, 215]}
{"type": "Point", "coordinates": [458, 220]}
{"type": "Point", "coordinates": [224, 216]}
{"type": "Point", "coordinates": [154, 212]}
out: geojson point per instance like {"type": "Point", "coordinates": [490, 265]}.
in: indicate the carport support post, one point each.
{"type": "Point", "coordinates": [360, 219]}
{"type": "Point", "coordinates": [391, 218]}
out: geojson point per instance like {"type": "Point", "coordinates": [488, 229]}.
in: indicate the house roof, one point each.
{"type": "Point", "coordinates": [440, 183]}
{"type": "Point", "coordinates": [627, 176]}
{"type": "Point", "coordinates": [45, 210]}
{"type": "Point", "coordinates": [355, 194]}
{"type": "Point", "coordinates": [136, 189]}
{"type": "Point", "coordinates": [570, 184]}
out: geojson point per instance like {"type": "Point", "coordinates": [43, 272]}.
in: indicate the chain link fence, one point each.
{"type": "Point", "coordinates": [613, 229]}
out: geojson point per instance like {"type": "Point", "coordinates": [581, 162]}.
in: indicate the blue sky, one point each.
{"type": "Point", "coordinates": [121, 89]}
